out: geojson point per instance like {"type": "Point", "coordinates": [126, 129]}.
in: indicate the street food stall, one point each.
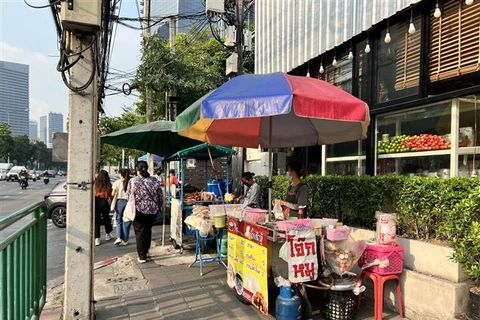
{"type": "Point", "coordinates": [278, 110]}
{"type": "Point", "coordinates": [182, 206]}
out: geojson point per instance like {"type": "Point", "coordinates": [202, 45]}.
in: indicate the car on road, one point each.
{"type": "Point", "coordinates": [61, 173]}
{"type": "Point", "coordinates": [56, 201]}
{"type": "Point", "coordinates": [50, 173]}
{"type": "Point", "coordinates": [12, 175]}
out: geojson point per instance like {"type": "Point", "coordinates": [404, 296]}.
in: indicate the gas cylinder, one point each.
{"type": "Point", "coordinates": [288, 305]}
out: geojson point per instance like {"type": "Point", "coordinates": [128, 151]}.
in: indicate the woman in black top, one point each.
{"type": "Point", "coordinates": [297, 193]}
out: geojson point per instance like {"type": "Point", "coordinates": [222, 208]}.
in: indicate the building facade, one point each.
{"type": "Point", "coordinates": [166, 8]}
{"type": "Point", "coordinates": [14, 97]}
{"type": "Point", "coordinates": [417, 66]}
{"type": "Point", "coordinates": [33, 129]}
{"type": "Point", "coordinates": [49, 124]}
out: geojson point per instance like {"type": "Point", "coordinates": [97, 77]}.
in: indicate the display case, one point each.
{"type": "Point", "coordinates": [346, 158]}
{"type": "Point", "coordinates": [439, 139]}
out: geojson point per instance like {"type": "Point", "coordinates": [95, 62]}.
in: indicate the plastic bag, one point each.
{"type": "Point", "coordinates": [386, 228]}
{"type": "Point", "coordinates": [278, 212]}
{"type": "Point", "coordinates": [341, 256]}
{"type": "Point", "coordinates": [282, 282]}
{"type": "Point", "coordinates": [283, 252]}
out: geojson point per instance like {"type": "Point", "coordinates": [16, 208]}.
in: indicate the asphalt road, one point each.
{"type": "Point", "coordinates": [13, 198]}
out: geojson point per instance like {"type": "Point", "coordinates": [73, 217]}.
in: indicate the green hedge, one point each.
{"type": "Point", "coordinates": [428, 208]}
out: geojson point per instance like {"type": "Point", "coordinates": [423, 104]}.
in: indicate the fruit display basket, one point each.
{"type": "Point", "coordinates": [406, 143]}
{"type": "Point", "coordinates": [376, 251]}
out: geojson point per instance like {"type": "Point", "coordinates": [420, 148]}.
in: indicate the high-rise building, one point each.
{"type": "Point", "coordinates": [33, 129]}
{"type": "Point", "coordinates": [14, 96]}
{"type": "Point", "coordinates": [167, 8]}
{"type": "Point", "coordinates": [49, 124]}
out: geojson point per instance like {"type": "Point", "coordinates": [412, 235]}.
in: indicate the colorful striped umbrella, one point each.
{"type": "Point", "coordinates": [275, 110]}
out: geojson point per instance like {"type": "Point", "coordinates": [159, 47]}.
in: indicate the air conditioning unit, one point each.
{"type": "Point", "coordinates": [191, 163]}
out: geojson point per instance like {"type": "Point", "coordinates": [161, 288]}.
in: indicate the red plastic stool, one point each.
{"type": "Point", "coordinates": [378, 286]}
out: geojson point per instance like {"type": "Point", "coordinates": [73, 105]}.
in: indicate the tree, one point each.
{"type": "Point", "coordinates": [112, 154]}
{"type": "Point", "coordinates": [196, 67]}
{"type": "Point", "coordinates": [6, 141]}
{"type": "Point", "coordinates": [22, 150]}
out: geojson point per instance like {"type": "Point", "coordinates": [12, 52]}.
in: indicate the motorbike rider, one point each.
{"type": "Point", "coordinates": [23, 175]}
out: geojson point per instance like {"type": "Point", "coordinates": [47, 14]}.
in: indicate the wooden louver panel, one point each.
{"type": "Point", "coordinates": [455, 40]}
{"type": "Point", "coordinates": [407, 71]}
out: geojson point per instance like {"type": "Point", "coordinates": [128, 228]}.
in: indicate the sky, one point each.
{"type": "Point", "coordinates": [28, 36]}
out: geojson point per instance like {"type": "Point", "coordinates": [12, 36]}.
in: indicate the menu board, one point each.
{"type": "Point", "coordinates": [248, 262]}
{"type": "Point", "coordinates": [176, 221]}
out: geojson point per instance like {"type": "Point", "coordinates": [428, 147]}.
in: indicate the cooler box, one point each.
{"type": "Point", "coordinates": [212, 186]}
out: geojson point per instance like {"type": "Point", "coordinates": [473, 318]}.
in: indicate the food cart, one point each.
{"type": "Point", "coordinates": [315, 253]}
{"type": "Point", "coordinates": [182, 207]}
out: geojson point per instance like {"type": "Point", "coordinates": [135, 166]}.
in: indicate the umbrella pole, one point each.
{"type": "Point", "coordinates": [270, 165]}
{"type": "Point", "coordinates": [164, 203]}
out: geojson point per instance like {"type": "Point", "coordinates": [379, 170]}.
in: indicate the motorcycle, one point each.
{"type": "Point", "coordinates": [46, 180]}
{"type": "Point", "coordinates": [23, 183]}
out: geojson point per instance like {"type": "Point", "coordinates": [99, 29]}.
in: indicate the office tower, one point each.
{"type": "Point", "coordinates": [49, 124]}
{"type": "Point", "coordinates": [167, 8]}
{"type": "Point", "coordinates": [14, 97]}
{"type": "Point", "coordinates": [33, 129]}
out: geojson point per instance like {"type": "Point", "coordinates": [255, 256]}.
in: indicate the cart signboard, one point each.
{"type": "Point", "coordinates": [176, 221]}
{"type": "Point", "coordinates": [302, 256]}
{"type": "Point", "coordinates": [248, 262]}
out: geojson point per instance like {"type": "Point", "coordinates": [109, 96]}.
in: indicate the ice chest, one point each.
{"type": "Point", "coordinates": [376, 251]}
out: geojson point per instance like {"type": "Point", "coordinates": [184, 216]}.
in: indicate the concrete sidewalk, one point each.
{"type": "Point", "coordinates": [166, 288]}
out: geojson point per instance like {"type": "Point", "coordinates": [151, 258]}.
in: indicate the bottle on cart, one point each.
{"type": "Point", "coordinates": [288, 305]}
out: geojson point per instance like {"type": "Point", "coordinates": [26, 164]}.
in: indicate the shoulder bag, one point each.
{"type": "Point", "coordinates": [129, 212]}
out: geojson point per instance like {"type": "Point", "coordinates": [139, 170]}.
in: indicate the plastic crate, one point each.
{"type": "Point", "coordinates": [230, 209]}
{"type": "Point", "coordinates": [375, 251]}
{"type": "Point", "coordinates": [339, 233]}
{"type": "Point", "coordinates": [255, 215]}
{"type": "Point", "coordinates": [299, 224]}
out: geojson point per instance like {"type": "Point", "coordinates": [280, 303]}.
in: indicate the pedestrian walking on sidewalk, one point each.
{"type": "Point", "coordinates": [103, 192]}
{"type": "Point", "coordinates": [148, 197]}
{"type": "Point", "coordinates": [118, 206]}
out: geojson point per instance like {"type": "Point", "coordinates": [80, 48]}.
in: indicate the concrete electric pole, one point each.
{"type": "Point", "coordinates": [82, 147]}
{"type": "Point", "coordinates": [239, 35]}
{"type": "Point", "coordinates": [81, 22]}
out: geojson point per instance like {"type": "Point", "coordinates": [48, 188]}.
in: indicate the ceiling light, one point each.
{"type": "Point", "coordinates": [387, 39]}
{"type": "Point", "coordinates": [367, 48]}
{"type": "Point", "coordinates": [437, 13]}
{"type": "Point", "coordinates": [334, 62]}
{"type": "Point", "coordinates": [350, 55]}
{"type": "Point", "coordinates": [321, 69]}
{"type": "Point", "coordinates": [468, 2]}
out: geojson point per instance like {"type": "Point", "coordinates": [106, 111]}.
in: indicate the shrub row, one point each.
{"type": "Point", "coordinates": [428, 208]}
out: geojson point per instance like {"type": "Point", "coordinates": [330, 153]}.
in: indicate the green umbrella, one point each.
{"type": "Point", "coordinates": [154, 137]}
{"type": "Point", "coordinates": [201, 152]}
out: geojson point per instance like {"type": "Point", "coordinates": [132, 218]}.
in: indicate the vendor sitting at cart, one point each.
{"type": "Point", "coordinates": [297, 193]}
{"type": "Point", "coordinates": [252, 197]}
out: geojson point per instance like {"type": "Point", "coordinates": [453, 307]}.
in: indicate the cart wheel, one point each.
{"type": "Point", "coordinates": [175, 245]}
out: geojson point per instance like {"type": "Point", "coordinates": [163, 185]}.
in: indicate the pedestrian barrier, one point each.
{"type": "Point", "coordinates": [23, 264]}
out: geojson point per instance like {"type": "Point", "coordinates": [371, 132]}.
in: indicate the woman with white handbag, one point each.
{"type": "Point", "coordinates": [118, 206]}
{"type": "Point", "coordinates": [146, 193]}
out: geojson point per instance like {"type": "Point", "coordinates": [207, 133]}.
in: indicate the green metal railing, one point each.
{"type": "Point", "coordinates": [23, 264]}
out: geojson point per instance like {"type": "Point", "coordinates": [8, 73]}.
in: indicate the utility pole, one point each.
{"type": "Point", "coordinates": [239, 36]}
{"type": "Point", "coordinates": [148, 89]}
{"type": "Point", "coordinates": [82, 148]}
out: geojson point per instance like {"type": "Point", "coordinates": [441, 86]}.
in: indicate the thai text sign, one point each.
{"type": "Point", "coordinates": [302, 256]}
{"type": "Point", "coordinates": [247, 262]}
